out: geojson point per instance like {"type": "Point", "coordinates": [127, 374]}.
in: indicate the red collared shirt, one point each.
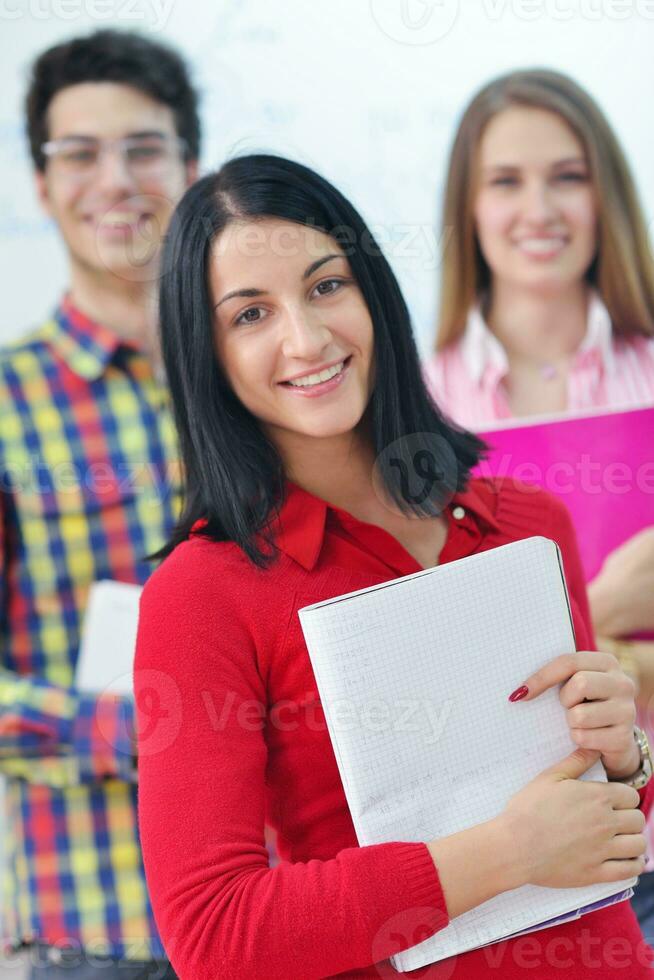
{"type": "Point", "coordinates": [233, 736]}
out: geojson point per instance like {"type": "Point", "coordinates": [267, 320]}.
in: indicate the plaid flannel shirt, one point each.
{"type": "Point", "coordinates": [88, 465]}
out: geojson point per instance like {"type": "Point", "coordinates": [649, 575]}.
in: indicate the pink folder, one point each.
{"type": "Point", "coordinates": [601, 466]}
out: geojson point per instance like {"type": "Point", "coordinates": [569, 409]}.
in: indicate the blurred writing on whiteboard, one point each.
{"type": "Point", "coordinates": [106, 656]}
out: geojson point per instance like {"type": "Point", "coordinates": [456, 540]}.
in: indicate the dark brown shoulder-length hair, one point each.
{"type": "Point", "coordinates": [622, 271]}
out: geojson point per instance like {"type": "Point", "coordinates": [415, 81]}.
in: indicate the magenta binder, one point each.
{"type": "Point", "coordinates": [600, 465]}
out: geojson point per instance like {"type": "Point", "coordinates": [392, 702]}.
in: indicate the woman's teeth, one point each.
{"type": "Point", "coordinates": [314, 379]}
{"type": "Point", "coordinates": [541, 246]}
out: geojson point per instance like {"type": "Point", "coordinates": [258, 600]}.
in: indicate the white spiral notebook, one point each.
{"type": "Point", "coordinates": [414, 677]}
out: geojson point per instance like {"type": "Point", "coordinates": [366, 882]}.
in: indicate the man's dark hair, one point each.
{"type": "Point", "coordinates": [233, 474]}
{"type": "Point", "coordinates": [123, 57]}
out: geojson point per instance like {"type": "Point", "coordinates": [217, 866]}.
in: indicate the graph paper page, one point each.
{"type": "Point", "coordinates": [414, 677]}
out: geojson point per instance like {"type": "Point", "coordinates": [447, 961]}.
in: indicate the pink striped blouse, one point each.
{"type": "Point", "coordinates": [467, 378]}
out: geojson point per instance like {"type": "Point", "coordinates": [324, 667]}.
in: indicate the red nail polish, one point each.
{"type": "Point", "coordinates": [519, 693]}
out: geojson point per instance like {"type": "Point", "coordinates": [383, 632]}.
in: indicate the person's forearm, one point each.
{"type": "Point", "coordinates": [630, 767]}
{"type": "Point", "coordinates": [606, 610]}
{"type": "Point", "coordinates": [642, 652]}
{"type": "Point", "coordinates": [42, 722]}
{"type": "Point", "coordinates": [475, 865]}
{"type": "Point", "coordinates": [611, 614]}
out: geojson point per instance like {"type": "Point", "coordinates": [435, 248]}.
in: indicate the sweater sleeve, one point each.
{"type": "Point", "coordinates": [50, 734]}
{"type": "Point", "coordinates": [222, 911]}
{"type": "Point", "coordinates": [57, 736]}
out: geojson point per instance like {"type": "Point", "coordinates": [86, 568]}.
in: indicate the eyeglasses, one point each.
{"type": "Point", "coordinates": [144, 156]}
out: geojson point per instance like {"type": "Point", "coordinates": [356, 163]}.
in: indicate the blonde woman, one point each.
{"type": "Point", "coordinates": [547, 299]}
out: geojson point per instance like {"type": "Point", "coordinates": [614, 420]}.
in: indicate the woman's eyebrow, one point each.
{"type": "Point", "coordinates": [248, 293]}
{"type": "Point", "coordinates": [316, 265]}
{"type": "Point", "coordinates": [570, 161]}
{"type": "Point", "coordinates": [494, 168]}
{"type": "Point", "coordinates": [251, 292]}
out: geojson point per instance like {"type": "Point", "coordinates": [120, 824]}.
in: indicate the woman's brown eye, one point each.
{"type": "Point", "coordinates": [249, 316]}
{"type": "Point", "coordinates": [334, 283]}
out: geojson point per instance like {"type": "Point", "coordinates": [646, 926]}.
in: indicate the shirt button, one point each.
{"type": "Point", "coordinates": [458, 513]}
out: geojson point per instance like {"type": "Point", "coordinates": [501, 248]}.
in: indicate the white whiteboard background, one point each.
{"type": "Point", "coordinates": [365, 91]}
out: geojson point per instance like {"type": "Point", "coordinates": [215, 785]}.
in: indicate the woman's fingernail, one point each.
{"type": "Point", "coordinates": [519, 693]}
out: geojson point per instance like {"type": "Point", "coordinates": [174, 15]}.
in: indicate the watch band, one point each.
{"type": "Point", "coordinates": [643, 774]}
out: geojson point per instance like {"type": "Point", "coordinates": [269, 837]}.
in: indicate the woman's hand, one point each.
{"type": "Point", "coordinates": [566, 832]}
{"type": "Point", "coordinates": [621, 595]}
{"type": "Point", "coordinates": [558, 831]}
{"type": "Point", "coordinates": [600, 709]}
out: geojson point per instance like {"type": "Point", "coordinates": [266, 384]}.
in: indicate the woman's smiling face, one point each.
{"type": "Point", "coordinates": [535, 209]}
{"type": "Point", "coordinates": [292, 330]}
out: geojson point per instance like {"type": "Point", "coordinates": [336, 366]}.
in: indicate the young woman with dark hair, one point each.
{"type": "Point", "coordinates": [293, 371]}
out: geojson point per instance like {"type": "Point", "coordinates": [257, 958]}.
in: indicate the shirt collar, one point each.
{"type": "Point", "coordinates": [480, 348]}
{"type": "Point", "coordinates": [86, 345]}
{"type": "Point", "coordinates": [482, 351]}
{"type": "Point", "coordinates": [300, 530]}
{"type": "Point", "coordinates": [599, 332]}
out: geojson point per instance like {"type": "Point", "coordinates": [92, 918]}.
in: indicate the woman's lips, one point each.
{"type": "Point", "coordinates": [323, 388]}
{"type": "Point", "coordinates": [541, 248]}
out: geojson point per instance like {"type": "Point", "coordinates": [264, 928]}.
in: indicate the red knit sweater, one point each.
{"type": "Point", "coordinates": [232, 736]}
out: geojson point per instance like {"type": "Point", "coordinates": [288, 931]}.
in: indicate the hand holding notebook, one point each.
{"type": "Point", "coordinates": [438, 652]}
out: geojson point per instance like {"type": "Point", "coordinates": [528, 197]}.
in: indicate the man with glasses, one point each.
{"type": "Point", "coordinates": [87, 462]}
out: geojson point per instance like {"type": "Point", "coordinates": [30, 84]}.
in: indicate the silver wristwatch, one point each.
{"type": "Point", "coordinates": [644, 773]}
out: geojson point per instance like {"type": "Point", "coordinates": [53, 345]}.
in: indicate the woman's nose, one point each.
{"type": "Point", "coordinates": [537, 203]}
{"type": "Point", "coordinates": [305, 334]}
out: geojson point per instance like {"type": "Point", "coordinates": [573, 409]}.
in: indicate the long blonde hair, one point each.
{"type": "Point", "coordinates": [622, 271]}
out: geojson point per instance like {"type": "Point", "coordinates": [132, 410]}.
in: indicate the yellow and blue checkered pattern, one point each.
{"type": "Point", "coordinates": [89, 488]}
